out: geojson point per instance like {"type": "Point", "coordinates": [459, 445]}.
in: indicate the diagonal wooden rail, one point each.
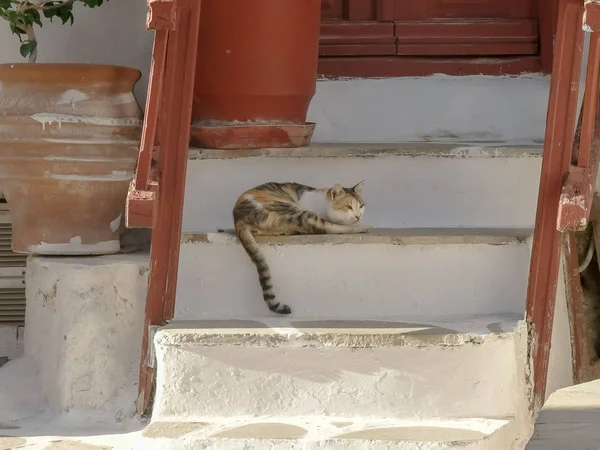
{"type": "Point", "coordinates": [569, 171]}
{"type": "Point", "coordinates": [156, 195]}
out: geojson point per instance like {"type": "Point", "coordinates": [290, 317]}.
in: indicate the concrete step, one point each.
{"type": "Point", "coordinates": [569, 419]}
{"type": "Point", "coordinates": [308, 433]}
{"type": "Point", "coordinates": [404, 274]}
{"type": "Point", "coordinates": [470, 367]}
{"type": "Point", "coordinates": [439, 107]}
{"type": "Point", "coordinates": [410, 185]}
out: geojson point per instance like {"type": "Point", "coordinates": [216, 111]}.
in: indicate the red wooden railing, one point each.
{"type": "Point", "coordinates": [569, 169]}
{"type": "Point", "coordinates": [156, 195]}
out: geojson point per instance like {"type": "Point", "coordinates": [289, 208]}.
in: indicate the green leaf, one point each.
{"type": "Point", "coordinates": [92, 3]}
{"type": "Point", "coordinates": [34, 15]}
{"type": "Point", "coordinates": [5, 4]}
{"type": "Point", "coordinates": [16, 30]}
{"type": "Point", "coordinates": [64, 13]}
{"type": "Point", "coordinates": [27, 47]}
{"type": "Point", "coordinates": [50, 12]}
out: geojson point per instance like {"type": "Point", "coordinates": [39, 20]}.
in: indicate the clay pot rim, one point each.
{"type": "Point", "coordinates": [23, 73]}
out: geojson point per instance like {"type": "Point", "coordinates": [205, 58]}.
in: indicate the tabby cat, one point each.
{"type": "Point", "coordinates": [276, 209]}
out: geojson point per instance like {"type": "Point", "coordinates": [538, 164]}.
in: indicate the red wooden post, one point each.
{"type": "Point", "coordinates": [175, 115]}
{"type": "Point", "coordinates": [141, 199]}
{"type": "Point", "coordinates": [578, 192]}
{"type": "Point", "coordinates": [558, 147]}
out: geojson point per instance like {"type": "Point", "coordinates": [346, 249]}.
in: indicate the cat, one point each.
{"type": "Point", "coordinates": [277, 209]}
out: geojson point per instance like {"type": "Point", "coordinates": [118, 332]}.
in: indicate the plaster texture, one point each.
{"type": "Point", "coordinates": [345, 370]}
{"type": "Point", "coordinates": [560, 364]}
{"type": "Point", "coordinates": [569, 420]}
{"type": "Point", "coordinates": [304, 433]}
{"type": "Point", "coordinates": [11, 341]}
{"type": "Point", "coordinates": [407, 185]}
{"type": "Point", "coordinates": [401, 274]}
{"type": "Point", "coordinates": [84, 326]}
{"type": "Point", "coordinates": [439, 107]}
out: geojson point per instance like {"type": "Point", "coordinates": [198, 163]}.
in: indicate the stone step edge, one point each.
{"type": "Point", "coordinates": [340, 334]}
{"type": "Point", "coordinates": [323, 428]}
{"type": "Point", "coordinates": [458, 150]}
{"type": "Point", "coordinates": [391, 236]}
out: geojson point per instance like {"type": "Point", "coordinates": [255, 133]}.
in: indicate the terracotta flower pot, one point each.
{"type": "Point", "coordinates": [69, 139]}
{"type": "Point", "coordinates": [257, 69]}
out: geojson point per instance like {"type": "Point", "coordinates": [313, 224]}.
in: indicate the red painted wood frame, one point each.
{"type": "Point", "coordinates": [392, 38]}
{"type": "Point", "coordinates": [577, 199]}
{"type": "Point", "coordinates": [156, 195]}
{"type": "Point", "coordinates": [569, 170]}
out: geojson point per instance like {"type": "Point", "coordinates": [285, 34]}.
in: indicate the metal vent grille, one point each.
{"type": "Point", "coordinates": [12, 274]}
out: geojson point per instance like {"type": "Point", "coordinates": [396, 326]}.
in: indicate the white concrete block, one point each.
{"type": "Point", "coordinates": [84, 321]}
{"type": "Point", "coordinates": [342, 369]}
{"type": "Point", "coordinates": [407, 185]}
{"type": "Point", "coordinates": [404, 274]}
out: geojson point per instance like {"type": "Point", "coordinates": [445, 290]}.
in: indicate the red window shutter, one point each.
{"type": "Point", "coordinates": [357, 28]}
{"type": "Point", "coordinates": [466, 27]}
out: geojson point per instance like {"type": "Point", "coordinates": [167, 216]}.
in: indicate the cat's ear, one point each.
{"type": "Point", "coordinates": [359, 187]}
{"type": "Point", "coordinates": [336, 191]}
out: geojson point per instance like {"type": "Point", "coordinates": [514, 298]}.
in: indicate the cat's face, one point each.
{"type": "Point", "coordinates": [346, 206]}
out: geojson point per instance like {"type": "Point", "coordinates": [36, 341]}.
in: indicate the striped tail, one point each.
{"type": "Point", "coordinates": [264, 273]}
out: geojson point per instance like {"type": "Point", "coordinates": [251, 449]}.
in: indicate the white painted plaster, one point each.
{"type": "Point", "coordinates": [11, 341]}
{"type": "Point", "coordinates": [115, 224]}
{"type": "Point", "coordinates": [321, 433]}
{"type": "Point", "coordinates": [25, 414]}
{"type": "Point", "coordinates": [473, 108]}
{"type": "Point", "coordinates": [20, 390]}
{"type": "Point", "coordinates": [331, 376]}
{"type": "Point", "coordinates": [354, 281]}
{"type": "Point", "coordinates": [116, 175]}
{"type": "Point", "coordinates": [72, 96]}
{"type": "Point", "coordinates": [400, 191]}
{"type": "Point", "coordinates": [75, 247]}
{"type": "Point", "coordinates": [569, 419]}
{"type": "Point", "coordinates": [84, 325]}
{"type": "Point", "coordinates": [560, 365]}
{"type": "Point", "coordinates": [49, 119]}
{"type": "Point", "coordinates": [89, 142]}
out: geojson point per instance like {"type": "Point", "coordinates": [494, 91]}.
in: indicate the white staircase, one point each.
{"type": "Point", "coordinates": [409, 337]}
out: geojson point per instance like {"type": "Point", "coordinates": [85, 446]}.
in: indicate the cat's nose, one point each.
{"type": "Point", "coordinates": [357, 217]}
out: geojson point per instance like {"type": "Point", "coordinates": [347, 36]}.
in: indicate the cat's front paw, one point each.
{"type": "Point", "coordinates": [363, 228]}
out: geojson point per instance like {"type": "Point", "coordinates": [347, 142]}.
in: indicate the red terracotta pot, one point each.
{"type": "Point", "coordinates": [69, 137]}
{"type": "Point", "coordinates": [257, 65]}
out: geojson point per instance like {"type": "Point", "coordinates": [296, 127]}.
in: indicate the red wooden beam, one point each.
{"type": "Point", "coordinates": [173, 136]}
{"type": "Point", "coordinates": [547, 18]}
{"type": "Point", "coordinates": [591, 17]}
{"type": "Point", "coordinates": [576, 307]}
{"type": "Point", "coordinates": [578, 192]}
{"type": "Point", "coordinates": [558, 147]}
{"type": "Point", "coordinates": [142, 197]}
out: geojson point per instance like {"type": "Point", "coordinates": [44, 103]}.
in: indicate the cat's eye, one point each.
{"type": "Point", "coordinates": [349, 207]}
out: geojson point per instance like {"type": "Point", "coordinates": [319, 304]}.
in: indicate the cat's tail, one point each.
{"type": "Point", "coordinates": [264, 273]}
